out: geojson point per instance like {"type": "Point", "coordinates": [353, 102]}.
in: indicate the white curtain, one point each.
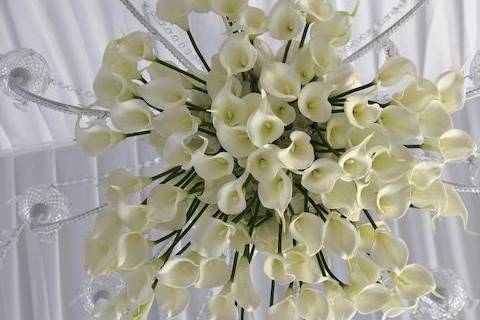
{"type": "Point", "coordinates": [39, 280]}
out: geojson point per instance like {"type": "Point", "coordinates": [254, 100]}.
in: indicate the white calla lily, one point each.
{"type": "Point", "coordinates": [280, 80]}
{"type": "Point", "coordinates": [164, 93]}
{"type": "Point", "coordinates": [263, 163]}
{"type": "Point", "coordinates": [178, 272]}
{"type": "Point", "coordinates": [165, 202]}
{"type": "Point", "coordinates": [337, 126]}
{"type": "Point", "coordinates": [110, 88]}
{"type": "Point", "coordinates": [300, 154]}
{"type": "Point", "coordinates": [201, 6]}
{"type": "Point", "coordinates": [378, 141]}
{"type": "Point", "coordinates": [356, 162]}
{"type": "Point", "coordinates": [317, 10]}
{"type": "Point", "coordinates": [213, 272]}
{"type": "Point", "coordinates": [212, 237]}
{"type": "Point", "coordinates": [343, 195]}
{"type": "Point", "coordinates": [336, 30]}
{"type": "Point", "coordinates": [282, 110]}
{"type": "Point", "coordinates": [396, 306]}
{"type": "Point", "coordinates": [433, 198]}
{"type": "Point", "coordinates": [97, 138]}
{"type": "Point", "coordinates": [285, 22]}
{"type": "Point", "coordinates": [131, 116]}
{"type": "Point", "coordinates": [252, 20]}
{"type": "Point", "coordinates": [175, 12]}
{"type": "Point", "coordinates": [341, 308]}
{"type": "Point", "coordinates": [413, 281]}
{"type": "Point", "coordinates": [340, 237]}
{"type": "Point", "coordinates": [367, 193]}
{"type": "Point", "coordinates": [171, 300]}
{"type": "Point", "coordinates": [307, 229]}
{"type": "Point", "coordinates": [222, 307]}
{"type": "Point", "coordinates": [456, 144]}
{"type": "Point", "coordinates": [243, 290]}
{"type": "Point", "coordinates": [134, 217]}
{"type": "Point", "coordinates": [424, 173]}
{"type": "Point", "coordinates": [228, 8]}
{"type": "Point", "coordinates": [235, 140]}
{"type": "Point", "coordinates": [313, 101]}
{"type": "Point", "coordinates": [231, 196]}
{"type": "Point", "coordinates": [392, 164]}
{"type": "Point", "coordinates": [265, 237]}
{"type": "Point", "coordinates": [312, 304]}
{"type": "Point", "coordinates": [132, 250]}
{"type": "Point", "coordinates": [389, 251]}
{"type": "Point", "coordinates": [263, 125]}
{"type": "Point", "coordinates": [401, 131]}
{"type": "Point", "coordinates": [324, 55]}
{"type": "Point", "coordinates": [108, 227]}
{"type": "Point", "coordinates": [135, 46]}
{"type": "Point", "coordinates": [119, 185]}
{"type": "Point", "coordinates": [371, 298]}
{"type": "Point", "coordinates": [211, 188]}
{"type": "Point", "coordinates": [451, 88]}
{"type": "Point", "coordinates": [394, 69]}
{"type": "Point", "coordinates": [276, 193]}
{"type": "Point", "coordinates": [455, 207]}
{"type": "Point", "coordinates": [321, 176]}
{"type": "Point", "coordinates": [139, 284]}
{"type": "Point", "coordinates": [417, 95]}
{"type": "Point", "coordinates": [362, 270]}
{"type": "Point", "coordinates": [111, 309]}
{"type": "Point", "coordinates": [175, 120]}
{"type": "Point", "coordinates": [360, 113]}
{"type": "Point", "coordinates": [393, 200]}
{"type": "Point", "coordinates": [238, 54]}
{"type": "Point", "coordinates": [304, 65]}
{"type": "Point", "coordinates": [275, 267]}
{"type": "Point", "coordinates": [211, 167]}
{"type": "Point", "coordinates": [99, 257]}
{"type": "Point", "coordinates": [302, 266]}
{"type": "Point", "coordinates": [286, 309]}
{"type": "Point", "coordinates": [434, 121]}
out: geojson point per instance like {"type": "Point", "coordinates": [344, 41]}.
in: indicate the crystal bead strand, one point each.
{"type": "Point", "coordinates": [463, 188]}
{"type": "Point", "coordinates": [79, 92]}
{"type": "Point", "coordinates": [176, 53]}
{"type": "Point", "coordinates": [8, 238]}
{"type": "Point", "coordinates": [385, 34]}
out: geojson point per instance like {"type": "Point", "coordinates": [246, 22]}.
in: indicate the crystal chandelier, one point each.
{"type": "Point", "coordinates": [275, 154]}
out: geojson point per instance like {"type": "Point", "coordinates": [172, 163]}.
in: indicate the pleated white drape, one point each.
{"type": "Point", "coordinates": [39, 280]}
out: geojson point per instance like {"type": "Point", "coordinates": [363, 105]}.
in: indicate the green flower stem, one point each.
{"type": "Point", "coordinates": [346, 93]}
{"type": "Point", "coordinates": [319, 210]}
{"type": "Point", "coordinates": [338, 111]}
{"type": "Point", "coordinates": [197, 50]}
{"type": "Point", "coordinates": [337, 104]}
{"type": "Point", "coordinates": [327, 269]}
{"type": "Point", "coordinates": [185, 73]}
{"type": "Point", "coordinates": [200, 89]}
{"type": "Point", "coordinates": [190, 179]}
{"type": "Point", "coordinates": [135, 134]}
{"type": "Point", "coordinates": [185, 247]}
{"type": "Point", "coordinates": [304, 35]}
{"type": "Point", "coordinates": [165, 173]}
{"type": "Point", "coordinates": [320, 265]}
{"type": "Point", "coordinates": [329, 150]}
{"type": "Point", "coordinates": [250, 255]}
{"type": "Point", "coordinates": [370, 219]}
{"type": "Point", "coordinates": [195, 187]}
{"type": "Point", "coordinates": [325, 142]}
{"type": "Point", "coordinates": [194, 107]}
{"type": "Point", "coordinates": [240, 215]}
{"type": "Point", "coordinates": [234, 266]}
{"type": "Point", "coordinates": [272, 292]}
{"type": "Point", "coordinates": [264, 219]}
{"type": "Point", "coordinates": [207, 131]}
{"type": "Point", "coordinates": [193, 207]}
{"type": "Point", "coordinates": [166, 237]}
{"type": "Point", "coordinates": [254, 217]}
{"type": "Point", "coordinates": [287, 48]}
{"type": "Point", "coordinates": [413, 146]}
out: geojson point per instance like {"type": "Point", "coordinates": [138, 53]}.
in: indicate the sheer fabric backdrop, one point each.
{"type": "Point", "coordinates": [39, 280]}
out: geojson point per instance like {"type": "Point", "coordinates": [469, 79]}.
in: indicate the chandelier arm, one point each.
{"type": "Point", "coordinates": [51, 226]}
{"type": "Point", "coordinates": [385, 34]}
{"type": "Point", "coordinates": [55, 105]}
{"type": "Point", "coordinates": [151, 29]}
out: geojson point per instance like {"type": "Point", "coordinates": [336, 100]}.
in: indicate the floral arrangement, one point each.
{"type": "Point", "coordinates": [282, 155]}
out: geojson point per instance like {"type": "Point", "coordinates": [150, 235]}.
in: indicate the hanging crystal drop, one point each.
{"type": "Point", "coordinates": [101, 287]}
{"type": "Point", "coordinates": [449, 298]}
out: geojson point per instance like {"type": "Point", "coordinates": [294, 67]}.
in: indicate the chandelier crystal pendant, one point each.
{"type": "Point", "coordinates": [281, 153]}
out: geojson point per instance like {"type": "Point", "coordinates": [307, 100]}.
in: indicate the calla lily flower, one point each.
{"type": "Point", "coordinates": [393, 164]}
{"type": "Point", "coordinates": [393, 200]}
{"type": "Point", "coordinates": [235, 140]}
{"type": "Point", "coordinates": [228, 8]}
{"type": "Point", "coordinates": [394, 69]}
{"type": "Point", "coordinates": [238, 54]}
{"type": "Point", "coordinates": [313, 101]}
{"type": "Point", "coordinates": [280, 80]}
{"type": "Point", "coordinates": [362, 270]}
{"type": "Point", "coordinates": [356, 162]}
{"type": "Point", "coordinates": [108, 227]}
{"type": "Point", "coordinates": [336, 30]}
{"type": "Point", "coordinates": [324, 55]}
{"type": "Point", "coordinates": [360, 113]}
{"type": "Point", "coordinates": [285, 22]}
{"type": "Point", "coordinates": [132, 250]}
{"type": "Point", "coordinates": [120, 184]}
{"type": "Point", "coordinates": [211, 188]}
{"type": "Point", "coordinates": [252, 20]}
{"type": "Point", "coordinates": [401, 131]}
{"type": "Point", "coordinates": [276, 193]}
{"type": "Point", "coordinates": [317, 10]}
{"type": "Point", "coordinates": [139, 284]}
{"type": "Point", "coordinates": [212, 237]}
{"type": "Point", "coordinates": [343, 195]}
{"type": "Point", "coordinates": [275, 267]}
{"type": "Point", "coordinates": [304, 65]}
{"type": "Point", "coordinates": [135, 46]}
{"type": "Point", "coordinates": [231, 196]}
{"type": "Point", "coordinates": [434, 121]}
{"type": "Point", "coordinates": [171, 300]}
{"type": "Point", "coordinates": [378, 141]}
{"type": "Point", "coordinates": [284, 310]}
{"type": "Point", "coordinates": [456, 144]}
{"type": "Point", "coordinates": [175, 120]}
{"type": "Point", "coordinates": [371, 298]}
{"type": "Point", "coordinates": [312, 304]}
{"type": "Point", "coordinates": [413, 281]}
{"type": "Point", "coordinates": [451, 88]}
{"type": "Point", "coordinates": [263, 125]}
{"type": "Point", "coordinates": [222, 307]}
{"type": "Point", "coordinates": [388, 251]}
{"type": "Point", "coordinates": [455, 207]}
{"type": "Point", "coordinates": [282, 110]}
{"type": "Point", "coordinates": [302, 266]}
{"type": "Point", "coordinates": [164, 93]}
{"type": "Point", "coordinates": [433, 198]}
{"type": "Point", "coordinates": [299, 155]}
{"type": "Point", "coordinates": [243, 290]}
{"type": "Point", "coordinates": [417, 95]}
{"type": "Point", "coordinates": [263, 163]}
{"type": "Point", "coordinates": [321, 176]}
{"type": "Point", "coordinates": [213, 272]}
{"type": "Point", "coordinates": [424, 173]}
{"type": "Point", "coordinates": [97, 138]}
{"type": "Point", "coordinates": [165, 202]}
{"type": "Point", "coordinates": [337, 125]}
{"type": "Point", "coordinates": [307, 229]}
{"type": "Point", "coordinates": [133, 217]}
{"type": "Point", "coordinates": [175, 12]}
{"type": "Point", "coordinates": [178, 272]}
{"type": "Point", "coordinates": [99, 257]}
{"type": "Point", "coordinates": [110, 88]}
{"type": "Point", "coordinates": [131, 116]}
{"type": "Point", "coordinates": [340, 237]}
